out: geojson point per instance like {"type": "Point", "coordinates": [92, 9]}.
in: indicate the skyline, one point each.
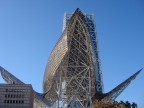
{"type": "Point", "coordinates": [120, 38]}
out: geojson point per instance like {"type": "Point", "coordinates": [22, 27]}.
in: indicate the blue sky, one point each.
{"type": "Point", "coordinates": [29, 30]}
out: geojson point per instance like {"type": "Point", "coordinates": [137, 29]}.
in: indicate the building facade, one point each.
{"type": "Point", "coordinates": [39, 100]}
{"type": "Point", "coordinates": [16, 96]}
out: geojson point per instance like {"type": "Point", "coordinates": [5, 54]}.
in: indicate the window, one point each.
{"type": "Point", "coordinates": [13, 101]}
{"type": "Point", "coordinates": [8, 95]}
{"type": "Point", "coordinates": [10, 101]}
{"type": "Point", "coordinates": [22, 101]}
{"type": "Point", "coordinates": [5, 95]}
{"type": "Point", "coordinates": [6, 90]}
{"type": "Point", "coordinates": [5, 101]}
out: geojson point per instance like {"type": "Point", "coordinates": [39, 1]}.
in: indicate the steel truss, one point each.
{"type": "Point", "coordinates": [113, 94]}
{"type": "Point", "coordinates": [73, 76]}
{"type": "Point", "coordinates": [74, 82]}
{"type": "Point", "coordinates": [76, 79]}
{"type": "Point", "coordinates": [90, 22]}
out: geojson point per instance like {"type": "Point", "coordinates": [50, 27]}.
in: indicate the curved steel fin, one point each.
{"type": "Point", "coordinates": [113, 94]}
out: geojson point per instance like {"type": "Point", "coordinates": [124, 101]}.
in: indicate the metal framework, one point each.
{"type": "Point", "coordinates": [73, 76]}
{"type": "Point", "coordinates": [113, 94]}
{"type": "Point", "coordinates": [71, 70]}
{"type": "Point", "coordinates": [90, 22]}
